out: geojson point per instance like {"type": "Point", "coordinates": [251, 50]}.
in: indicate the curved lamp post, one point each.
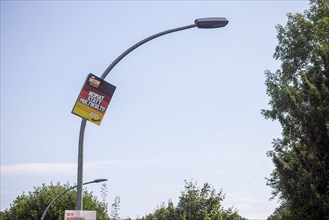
{"type": "Point", "coordinates": [202, 23]}
{"type": "Point", "coordinates": [62, 193]}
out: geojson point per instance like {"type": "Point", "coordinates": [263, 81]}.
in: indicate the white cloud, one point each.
{"type": "Point", "coordinates": [38, 169]}
{"type": "Point", "coordinates": [246, 202]}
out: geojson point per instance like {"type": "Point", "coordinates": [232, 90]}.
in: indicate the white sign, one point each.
{"type": "Point", "coordinates": [79, 215]}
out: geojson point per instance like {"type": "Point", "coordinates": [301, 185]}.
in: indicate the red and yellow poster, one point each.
{"type": "Point", "coordinates": [94, 98]}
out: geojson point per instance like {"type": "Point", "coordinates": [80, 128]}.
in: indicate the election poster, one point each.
{"type": "Point", "coordinates": [93, 100]}
{"type": "Point", "coordinates": [79, 215]}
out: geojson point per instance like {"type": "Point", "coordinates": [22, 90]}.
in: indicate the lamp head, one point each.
{"type": "Point", "coordinates": [99, 180]}
{"type": "Point", "coordinates": [207, 23]}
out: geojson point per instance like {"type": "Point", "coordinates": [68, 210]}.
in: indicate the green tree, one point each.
{"type": "Point", "coordinates": [195, 203]}
{"type": "Point", "coordinates": [280, 213]}
{"type": "Point", "coordinates": [31, 206]}
{"type": "Point", "coordinates": [299, 100]}
{"type": "Point", "coordinates": [2, 214]}
{"type": "Point", "coordinates": [104, 192]}
{"type": "Point", "coordinates": [115, 209]}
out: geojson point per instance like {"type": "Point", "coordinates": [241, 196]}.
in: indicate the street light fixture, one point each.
{"type": "Point", "coordinates": [201, 23]}
{"type": "Point", "coordinates": [62, 193]}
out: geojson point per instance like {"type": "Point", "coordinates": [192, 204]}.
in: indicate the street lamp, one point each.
{"type": "Point", "coordinates": [62, 193]}
{"type": "Point", "coordinates": [202, 23]}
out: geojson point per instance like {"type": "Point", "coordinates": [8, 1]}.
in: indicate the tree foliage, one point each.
{"type": "Point", "coordinates": [195, 203]}
{"type": "Point", "coordinates": [115, 209]}
{"type": "Point", "coordinates": [31, 206]}
{"type": "Point", "coordinates": [299, 100]}
{"type": "Point", "coordinates": [280, 213]}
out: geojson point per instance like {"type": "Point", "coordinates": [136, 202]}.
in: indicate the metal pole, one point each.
{"type": "Point", "coordinates": [62, 193]}
{"type": "Point", "coordinates": [45, 212]}
{"type": "Point", "coordinates": [80, 165]}
{"type": "Point", "coordinates": [117, 60]}
{"type": "Point", "coordinates": [83, 122]}
{"type": "Point", "coordinates": [200, 23]}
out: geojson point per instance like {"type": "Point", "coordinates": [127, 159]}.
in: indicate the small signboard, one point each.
{"type": "Point", "coordinates": [94, 98]}
{"type": "Point", "coordinates": [79, 215]}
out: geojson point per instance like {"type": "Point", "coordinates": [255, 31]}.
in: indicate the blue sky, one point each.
{"type": "Point", "coordinates": [187, 105]}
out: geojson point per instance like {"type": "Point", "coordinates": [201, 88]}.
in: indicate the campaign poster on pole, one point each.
{"type": "Point", "coordinates": [93, 100]}
{"type": "Point", "coordinates": [79, 215]}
